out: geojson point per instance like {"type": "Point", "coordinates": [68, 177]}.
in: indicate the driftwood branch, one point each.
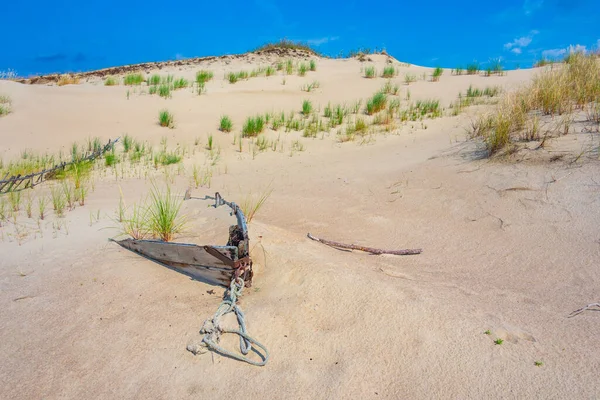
{"type": "Point", "coordinates": [592, 306]}
{"type": "Point", "coordinates": [371, 250]}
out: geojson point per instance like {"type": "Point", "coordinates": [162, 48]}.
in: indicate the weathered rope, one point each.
{"type": "Point", "coordinates": [212, 329]}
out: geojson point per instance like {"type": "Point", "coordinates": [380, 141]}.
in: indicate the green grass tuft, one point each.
{"type": "Point", "coordinates": [180, 83]}
{"type": "Point", "coordinates": [306, 107]}
{"type": "Point", "coordinates": [111, 81]}
{"type": "Point", "coordinates": [225, 125]}
{"type": "Point", "coordinates": [253, 126]}
{"type": "Point", "coordinates": [473, 68]}
{"type": "Point", "coordinates": [437, 73]}
{"type": "Point", "coordinates": [376, 103]}
{"type": "Point", "coordinates": [370, 72]}
{"type": "Point", "coordinates": [165, 118]}
{"type": "Point", "coordinates": [154, 80]}
{"type": "Point", "coordinates": [389, 71]}
{"type": "Point", "coordinates": [133, 79]}
{"type": "Point", "coordinates": [163, 219]}
{"type": "Point", "coordinates": [164, 90]}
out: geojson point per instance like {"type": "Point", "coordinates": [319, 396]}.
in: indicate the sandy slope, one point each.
{"type": "Point", "coordinates": [510, 248]}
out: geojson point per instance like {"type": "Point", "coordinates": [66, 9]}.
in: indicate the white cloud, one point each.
{"type": "Point", "coordinates": [558, 53]}
{"type": "Point", "coordinates": [523, 41]}
{"type": "Point", "coordinates": [553, 53]}
{"type": "Point", "coordinates": [577, 49]}
{"type": "Point", "coordinates": [323, 40]}
{"type": "Point", "coordinates": [517, 45]}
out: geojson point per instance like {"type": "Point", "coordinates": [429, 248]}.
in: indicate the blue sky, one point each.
{"type": "Point", "coordinates": [42, 37]}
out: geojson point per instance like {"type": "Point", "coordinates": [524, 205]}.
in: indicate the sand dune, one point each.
{"type": "Point", "coordinates": [509, 248]}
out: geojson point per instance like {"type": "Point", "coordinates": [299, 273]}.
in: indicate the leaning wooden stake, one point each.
{"type": "Point", "coordinates": [404, 252]}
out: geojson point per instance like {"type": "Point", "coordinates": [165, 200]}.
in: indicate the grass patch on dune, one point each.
{"type": "Point", "coordinates": [287, 44]}
{"type": "Point", "coordinates": [302, 68]}
{"type": "Point", "coordinates": [111, 81]}
{"type": "Point", "coordinates": [204, 76]}
{"type": "Point", "coordinates": [5, 104]}
{"type": "Point", "coordinates": [251, 205]}
{"type": "Point", "coordinates": [306, 107]}
{"type": "Point", "coordinates": [557, 92]}
{"type": "Point", "coordinates": [68, 79]}
{"type": "Point", "coordinates": [154, 80]}
{"type": "Point", "coordinates": [166, 119]}
{"type": "Point", "coordinates": [164, 90]}
{"type": "Point", "coordinates": [133, 79]}
{"type": "Point", "coordinates": [225, 124]}
{"type": "Point", "coordinates": [233, 77]}
{"type": "Point", "coordinates": [389, 71]}
{"type": "Point", "coordinates": [472, 68]}
{"type": "Point", "coordinates": [161, 216]}
{"type": "Point", "coordinates": [370, 72]}
{"type": "Point", "coordinates": [376, 103]}
{"type": "Point", "coordinates": [253, 126]}
{"type": "Point", "coordinates": [437, 73]}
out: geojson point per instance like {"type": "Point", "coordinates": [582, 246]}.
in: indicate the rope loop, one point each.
{"type": "Point", "coordinates": [212, 329]}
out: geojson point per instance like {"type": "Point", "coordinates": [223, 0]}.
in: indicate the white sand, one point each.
{"type": "Point", "coordinates": [84, 318]}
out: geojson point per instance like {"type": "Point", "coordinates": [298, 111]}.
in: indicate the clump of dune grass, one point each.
{"type": "Point", "coordinates": [472, 68]}
{"type": "Point", "coordinates": [457, 71]}
{"type": "Point", "coordinates": [302, 68]}
{"type": "Point", "coordinates": [225, 125]}
{"type": "Point", "coordinates": [111, 81]}
{"type": "Point", "coordinates": [389, 71]}
{"type": "Point", "coordinates": [111, 158]}
{"type": "Point", "coordinates": [306, 107]}
{"type": "Point", "coordinates": [494, 67]}
{"type": "Point", "coordinates": [409, 78]}
{"type": "Point", "coordinates": [312, 65]}
{"type": "Point", "coordinates": [2, 209]}
{"type": "Point", "coordinates": [204, 76]}
{"type": "Point", "coordinates": [556, 92]}
{"type": "Point", "coordinates": [154, 80]}
{"type": "Point", "coordinates": [5, 103]}
{"type": "Point", "coordinates": [58, 200]}
{"type": "Point", "coordinates": [232, 77]}
{"type": "Point", "coordinates": [127, 143]}
{"type": "Point", "coordinates": [135, 223]}
{"type": "Point", "coordinates": [42, 205]}
{"type": "Point", "coordinates": [370, 72]}
{"type": "Point", "coordinates": [180, 83]}
{"type": "Point", "coordinates": [164, 90]}
{"type": "Point", "coordinates": [133, 79]}
{"type": "Point", "coordinates": [165, 119]}
{"type": "Point", "coordinates": [67, 79]}
{"type": "Point", "coordinates": [251, 205]}
{"type": "Point", "coordinates": [253, 126]}
{"type": "Point", "coordinates": [287, 44]}
{"type": "Point", "coordinates": [269, 71]}
{"type": "Point", "coordinates": [163, 214]}
{"type": "Point", "coordinates": [14, 198]}
{"type": "Point", "coordinates": [289, 67]}
{"type": "Point", "coordinates": [376, 103]}
{"type": "Point", "coordinates": [310, 87]}
{"type": "Point", "coordinates": [389, 88]}
{"type": "Point", "coordinates": [437, 73]}
{"type": "Point", "coordinates": [542, 62]}
{"type": "Point", "coordinates": [327, 111]}
{"type": "Point", "coordinates": [359, 126]}
{"type": "Point", "coordinates": [165, 157]}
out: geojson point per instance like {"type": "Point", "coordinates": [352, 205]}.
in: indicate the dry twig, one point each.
{"type": "Point", "coordinates": [403, 252]}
